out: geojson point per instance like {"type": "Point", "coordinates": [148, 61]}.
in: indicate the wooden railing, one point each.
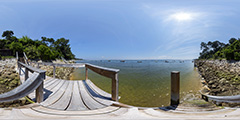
{"type": "Point", "coordinates": [57, 65]}
{"type": "Point", "coordinates": [35, 82]}
{"type": "Point", "coordinates": [221, 99]}
{"type": "Point", "coordinates": [107, 72]}
{"type": "Point", "coordinates": [40, 78]}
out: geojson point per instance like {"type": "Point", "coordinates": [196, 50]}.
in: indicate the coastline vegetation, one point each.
{"type": "Point", "coordinates": [44, 49]}
{"type": "Point", "coordinates": [219, 50]}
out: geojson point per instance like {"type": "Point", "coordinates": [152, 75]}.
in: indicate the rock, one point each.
{"type": "Point", "coordinates": [210, 82]}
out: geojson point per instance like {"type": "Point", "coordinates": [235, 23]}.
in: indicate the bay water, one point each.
{"type": "Point", "coordinates": [144, 83]}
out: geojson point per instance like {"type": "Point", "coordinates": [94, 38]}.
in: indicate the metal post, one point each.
{"type": "Point", "coordinates": [26, 74]}
{"type": "Point", "coordinates": [86, 73]}
{"type": "Point", "coordinates": [54, 71]}
{"type": "Point", "coordinates": [115, 87]}
{"type": "Point", "coordinates": [175, 85]}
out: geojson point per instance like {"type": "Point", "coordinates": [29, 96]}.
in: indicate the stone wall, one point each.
{"type": "Point", "coordinates": [222, 77]}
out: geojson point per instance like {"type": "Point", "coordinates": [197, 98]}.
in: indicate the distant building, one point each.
{"type": "Point", "coordinates": [6, 52]}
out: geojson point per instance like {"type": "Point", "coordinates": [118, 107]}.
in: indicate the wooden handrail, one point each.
{"type": "Point", "coordinates": [222, 99]}
{"type": "Point", "coordinates": [107, 72]}
{"type": "Point", "coordinates": [30, 68]}
{"type": "Point", "coordinates": [42, 76]}
{"type": "Point", "coordinates": [35, 82]}
{"type": "Point", "coordinates": [25, 58]}
{"type": "Point", "coordinates": [75, 65]}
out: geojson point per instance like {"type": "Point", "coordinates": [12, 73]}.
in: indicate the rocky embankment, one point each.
{"type": "Point", "coordinates": [60, 73]}
{"type": "Point", "coordinates": [221, 77]}
{"type": "Point", "coordinates": [9, 79]}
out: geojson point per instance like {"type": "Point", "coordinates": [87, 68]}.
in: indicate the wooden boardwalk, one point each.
{"type": "Point", "coordinates": [72, 95]}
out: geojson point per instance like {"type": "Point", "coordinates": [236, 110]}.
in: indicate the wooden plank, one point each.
{"type": "Point", "coordinates": [105, 110]}
{"type": "Point", "coordinates": [87, 99]}
{"type": "Point", "coordinates": [56, 95]}
{"type": "Point", "coordinates": [52, 89]}
{"type": "Point", "coordinates": [76, 102]}
{"type": "Point", "coordinates": [51, 86]}
{"type": "Point", "coordinates": [97, 97]}
{"type": "Point", "coordinates": [98, 90]}
{"type": "Point", "coordinates": [63, 102]}
{"type": "Point", "coordinates": [46, 81]}
{"type": "Point", "coordinates": [52, 83]}
{"type": "Point", "coordinates": [49, 82]}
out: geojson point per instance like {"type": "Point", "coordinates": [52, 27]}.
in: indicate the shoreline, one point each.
{"type": "Point", "coordinates": [221, 77]}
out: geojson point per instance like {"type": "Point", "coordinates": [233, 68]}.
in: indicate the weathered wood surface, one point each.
{"type": "Point", "coordinates": [56, 95]}
{"type": "Point", "coordinates": [63, 102]}
{"type": "Point", "coordinates": [24, 89]}
{"type": "Point", "coordinates": [76, 101]}
{"type": "Point", "coordinates": [98, 90]}
{"type": "Point", "coordinates": [87, 98]}
{"type": "Point", "coordinates": [222, 99]}
{"type": "Point", "coordinates": [107, 72]}
{"type": "Point", "coordinates": [77, 95]}
{"type": "Point", "coordinates": [75, 65]}
{"type": "Point", "coordinates": [30, 68]}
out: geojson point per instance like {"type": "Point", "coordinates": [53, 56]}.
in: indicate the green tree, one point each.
{"type": "Point", "coordinates": [229, 54]}
{"type": "Point", "coordinates": [31, 52]}
{"type": "Point", "coordinates": [7, 34]}
{"type": "Point", "coordinates": [45, 53]}
{"type": "Point", "coordinates": [16, 47]}
{"type": "Point", "coordinates": [232, 40]}
{"type": "Point", "coordinates": [236, 56]}
{"type": "Point", "coordinates": [63, 48]}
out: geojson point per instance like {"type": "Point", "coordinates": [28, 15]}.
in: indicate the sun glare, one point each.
{"type": "Point", "coordinates": [182, 16]}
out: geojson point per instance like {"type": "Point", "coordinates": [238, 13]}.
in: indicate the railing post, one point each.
{"type": "Point", "coordinates": [86, 73]}
{"type": "Point", "coordinates": [115, 87]}
{"type": "Point", "coordinates": [17, 56]}
{"type": "Point", "coordinates": [54, 71]}
{"type": "Point", "coordinates": [175, 85]}
{"type": "Point", "coordinates": [26, 74]}
{"type": "Point", "coordinates": [39, 90]}
{"type": "Point", "coordinates": [19, 67]}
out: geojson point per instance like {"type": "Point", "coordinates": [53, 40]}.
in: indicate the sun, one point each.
{"type": "Point", "coordinates": [182, 16]}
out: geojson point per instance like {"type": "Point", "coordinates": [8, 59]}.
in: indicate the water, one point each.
{"type": "Point", "coordinates": [145, 83]}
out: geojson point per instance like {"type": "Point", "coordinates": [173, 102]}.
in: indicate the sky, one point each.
{"type": "Point", "coordinates": [125, 29]}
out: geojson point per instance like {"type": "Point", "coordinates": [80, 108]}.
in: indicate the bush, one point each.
{"type": "Point", "coordinates": [229, 54]}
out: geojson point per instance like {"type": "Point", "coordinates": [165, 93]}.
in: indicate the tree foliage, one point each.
{"type": "Point", "coordinates": [218, 50]}
{"type": "Point", "coordinates": [44, 49]}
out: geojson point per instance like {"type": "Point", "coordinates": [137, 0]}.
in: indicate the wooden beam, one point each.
{"type": "Point", "coordinates": [107, 72]}
{"type": "Point", "coordinates": [26, 74]}
{"type": "Point", "coordinates": [175, 85]}
{"type": "Point", "coordinates": [39, 90]}
{"type": "Point", "coordinates": [54, 71]}
{"type": "Point", "coordinates": [115, 87]}
{"type": "Point", "coordinates": [86, 73]}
